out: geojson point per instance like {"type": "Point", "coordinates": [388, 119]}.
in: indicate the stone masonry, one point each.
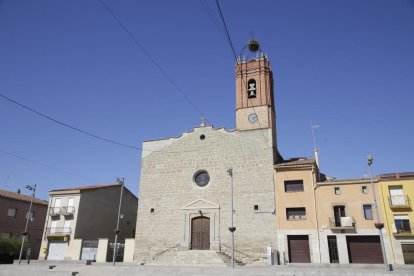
{"type": "Point", "coordinates": [170, 199]}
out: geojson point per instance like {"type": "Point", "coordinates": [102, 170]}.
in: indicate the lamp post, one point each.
{"type": "Point", "coordinates": [232, 228]}
{"type": "Point", "coordinates": [117, 231]}
{"type": "Point", "coordinates": [25, 233]}
{"type": "Point", "coordinates": [377, 224]}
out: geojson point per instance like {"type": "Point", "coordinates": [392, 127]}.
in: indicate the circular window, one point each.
{"type": "Point", "coordinates": [202, 137]}
{"type": "Point", "coordinates": [202, 179]}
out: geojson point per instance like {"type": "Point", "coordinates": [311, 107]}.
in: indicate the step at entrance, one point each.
{"type": "Point", "coordinates": [189, 258]}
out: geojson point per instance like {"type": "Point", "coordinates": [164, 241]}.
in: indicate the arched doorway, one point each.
{"type": "Point", "coordinates": [200, 233]}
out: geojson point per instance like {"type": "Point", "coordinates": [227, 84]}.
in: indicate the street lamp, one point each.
{"type": "Point", "coordinates": [232, 228]}
{"type": "Point", "coordinates": [25, 233]}
{"type": "Point", "coordinates": [377, 224]}
{"type": "Point", "coordinates": [117, 231]}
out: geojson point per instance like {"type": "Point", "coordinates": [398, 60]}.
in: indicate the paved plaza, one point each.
{"type": "Point", "coordinates": [42, 269]}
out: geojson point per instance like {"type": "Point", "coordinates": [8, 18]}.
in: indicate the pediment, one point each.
{"type": "Point", "coordinates": [201, 204]}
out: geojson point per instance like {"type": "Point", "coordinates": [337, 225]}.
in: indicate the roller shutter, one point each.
{"type": "Point", "coordinates": [408, 253]}
{"type": "Point", "coordinates": [57, 250]}
{"type": "Point", "coordinates": [364, 249]}
{"type": "Point", "coordinates": [299, 249]}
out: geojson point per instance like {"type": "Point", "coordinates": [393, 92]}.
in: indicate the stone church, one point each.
{"type": "Point", "coordinates": [188, 182]}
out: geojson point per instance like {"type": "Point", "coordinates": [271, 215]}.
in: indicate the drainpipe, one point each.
{"type": "Point", "coordinates": [316, 213]}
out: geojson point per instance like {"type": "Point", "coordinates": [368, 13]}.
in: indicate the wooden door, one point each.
{"type": "Point", "coordinates": [333, 249]}
{"type": "Point", "coordinates": [200, 233]}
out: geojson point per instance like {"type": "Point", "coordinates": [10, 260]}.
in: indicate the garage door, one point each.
{"type": "Point", "coordinates": [364, 249]}
{"type": "Point", "coordinates": [89, 249]}
{"type": "Point", "coordinates": [408, 253]}
{"type": "Point", "coordinates": [57, 250]}
{"type": "Point", "coordinates": [299, 249]}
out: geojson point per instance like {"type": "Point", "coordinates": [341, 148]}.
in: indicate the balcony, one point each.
{"type": "Point", "coordinates": [54, 211]}
{"type": "Point", "coordinates": [58, 231]}
{"type": "Point", "coordinates": [343, 223]}
{"type": "Point", "coordinates": [67, 211]}
{"type": "Point", "coordinates": [399, 202]}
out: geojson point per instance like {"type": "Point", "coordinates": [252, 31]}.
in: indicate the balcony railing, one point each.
{"type": "Point", "coordinates": [342, 223]}
{"type": "Point", "coordinates": [58, 231]}
{"type": "Point", "coordinates": [54, 211]}
{"type": "Point", "coordinates": [68, 210]}
{"type": "Point", "coordinates": [399, 201]}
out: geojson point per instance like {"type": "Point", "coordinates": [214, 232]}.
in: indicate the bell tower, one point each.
{"type": "Point", "coordinates": [255, 108]}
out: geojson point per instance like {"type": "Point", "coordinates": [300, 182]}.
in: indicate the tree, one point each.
{"type": "Point", "coordinates": [10, 249]}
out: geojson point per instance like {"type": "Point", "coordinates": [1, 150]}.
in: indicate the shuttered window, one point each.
{"type": "Point", "coordinates": [294, 186]}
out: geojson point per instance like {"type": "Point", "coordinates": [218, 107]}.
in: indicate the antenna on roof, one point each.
{"type": "Point", "coordinates": [316, 151]}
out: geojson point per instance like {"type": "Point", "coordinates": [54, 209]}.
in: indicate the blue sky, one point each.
{"type": "Point", "coordinates": [346, 65]}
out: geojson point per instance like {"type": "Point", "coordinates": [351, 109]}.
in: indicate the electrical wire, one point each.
{"type": "Point", "coordinates": [213, 18]}
{"type": "Point", "coordinates": [91, 134]}
{"type": "Point", "coordinates": [67, 125]}
{"type": "Point", "coordinates": [150, 57]}
{"type": "Point", "coordinates": [42, 164]}
{"type": "Point", "coordinates": [238, 64]}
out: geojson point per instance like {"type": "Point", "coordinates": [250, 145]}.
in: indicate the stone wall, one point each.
{"type": "Point", "coordinates": [169, 198]}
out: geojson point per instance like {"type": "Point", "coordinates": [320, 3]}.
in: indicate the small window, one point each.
{"type": "Point", "coordinates": [256, 207]}
{"type": "Point", "coordinates": [364, 189]}
{"type": "Point", "coordinates": [251, 89]}
{"type": "Point", "coordinates": [367, 211]}
{"type": "Point", "coordinates": [12, 212]}
{"type": "Point", "coordinates": [337, 190]}
{"type": "Point", "coordinates": [152, 210]}
{"type": "Point", "coordinates": [294, 186]}
{"type": "Point", "coordinates": [296, 213]}
{"type": "Point", "coordinates": [402, 223]}
{"type": "Point", "coordinates": [202, 137]}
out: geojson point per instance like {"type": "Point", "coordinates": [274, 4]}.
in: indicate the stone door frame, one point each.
{"type": "Point", "coordinates": [197, 208]}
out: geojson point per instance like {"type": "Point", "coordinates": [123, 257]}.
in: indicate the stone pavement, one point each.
{"type": "Point", "coordinates": [122, 269]}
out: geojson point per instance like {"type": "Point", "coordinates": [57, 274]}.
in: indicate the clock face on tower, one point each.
{"type": "Point", "coordinates": [252, 118]}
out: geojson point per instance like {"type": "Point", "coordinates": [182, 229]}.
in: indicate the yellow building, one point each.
{"type": "Point", "coordinates": [397, 190]}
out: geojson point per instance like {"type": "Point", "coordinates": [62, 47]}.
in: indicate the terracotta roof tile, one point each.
{"type": "Point", "coordinates": [84, 188]}
{"type": "Point", "coordinates": [397, 175]}
{"type": "Point", "coordinates": [296, 162]}
{"type": "Point", "coordinates": [21, 197]}
{"type": "Point", "coordinates": [343, 180]}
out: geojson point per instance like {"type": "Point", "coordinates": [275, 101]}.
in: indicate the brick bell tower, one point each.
{"type": "Point", "coordinates": [255, 105]}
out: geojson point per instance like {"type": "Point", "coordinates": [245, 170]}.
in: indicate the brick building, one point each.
{"type": "Point", "coordinates": [14, 208]}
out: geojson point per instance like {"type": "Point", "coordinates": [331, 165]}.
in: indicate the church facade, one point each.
{"type": "Point", "coordinates": [188, 182]}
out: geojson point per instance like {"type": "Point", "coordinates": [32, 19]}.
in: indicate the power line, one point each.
{"type": "Point", "coordinates": [88, 133]}
{"type": "Point", "coordinates": [151, 58]}
{"type": "Point", "coordinates": [213, 18]}
{"type": "Point", "coordinates": [238, 64]}
{"type": "Point", "coordinates": [42, 164]}
{"type": "Point", "coordinates": [69, 126]}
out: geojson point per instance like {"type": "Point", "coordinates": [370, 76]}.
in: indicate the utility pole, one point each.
{"type": "Point", "coordinates": [117, 231]}
{"type": "Point", "coordinates": [25, 233]}
{"type": "Point", "coordinates": [232, 228]}
{"type": "Point", "coordinates": [378, 224]}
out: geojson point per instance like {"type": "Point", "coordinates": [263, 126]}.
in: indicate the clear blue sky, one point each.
{"type": "Point", "coordinates": [346, 65]}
